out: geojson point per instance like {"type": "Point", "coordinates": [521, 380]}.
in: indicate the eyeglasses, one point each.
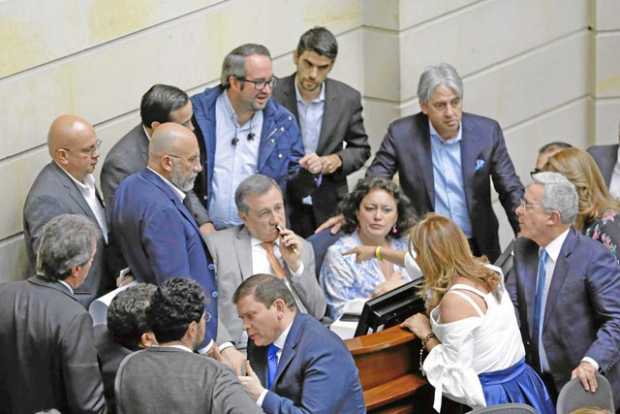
{"type": "Point", "coordinates": [527, 205]}
{"type": "Point", "coordinates": [87, 151]}
{"type": "Point", "coordinates": [261, 83]}
{"type": "Point", "coordinates": [535, 171]}
{"type": "Point", "coordinates": [192, 160]}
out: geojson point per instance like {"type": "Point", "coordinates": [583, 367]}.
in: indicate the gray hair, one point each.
{"type": "Point", "coordinates": [560, 195]}
{"type": "Point", "coordinates": [66, 241]}
{"type": "Point", "coordinates": [234, 62]}
{"type": "Point", "coordinates": [256, 184]}
{"type": "Point", "coordinates": [436, 75]}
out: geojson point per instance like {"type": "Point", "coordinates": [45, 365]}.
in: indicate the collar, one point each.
{"type": "Point", "coordinates": [177, 191]}
{"type": "Point", "coordinates": [555, 245]}
{"type": "Point", "coordinates": [435, 134]}
{"type": "Point", "coordinates": [178, 346]}
{"type": "Point", "coordinates": [89, 179]}
{"type": "Point", "coordinates": [68, 286]}
{"type": "Point", "coordinates": [320, 98]}
{"type": "Point", "coordinates": [256, 242]}
{"type": "Point", "coordinates": [282, 338]}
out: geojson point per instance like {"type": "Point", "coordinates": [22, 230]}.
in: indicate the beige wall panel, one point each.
{"type": "Point", "coordinates": [607, 76]}
{"type": "Point", "coordinates": [109, 80]}
{"type": "Point", "coordinates": [384, 14]}
{"type": "Point", "coordinates": [13, 260]}
{"type": "Point", "coordinates": [29, 38]}
{"type": "Point", "coordinates": [607, 121]}
{"type": "Point", "coordinates": [382, 67]}
{"type": "Point", "coordinates": [423, 11]}
{"type": "Point", "coordinates": [607, 15]}
{"type": "Point", "coordinates": [377, 116]}
{"type": "Point", "coordinates": [480, 36]}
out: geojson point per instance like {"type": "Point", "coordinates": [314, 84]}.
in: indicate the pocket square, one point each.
{"type": "Point", "coordinates": [479, 164]}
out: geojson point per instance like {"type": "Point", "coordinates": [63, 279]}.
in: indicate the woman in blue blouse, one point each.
{"type": "Point", "coordinates": [376, 214]}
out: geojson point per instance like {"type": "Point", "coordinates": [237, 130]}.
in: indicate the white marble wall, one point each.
{"type": "Point", "coordinates": [531, 64]}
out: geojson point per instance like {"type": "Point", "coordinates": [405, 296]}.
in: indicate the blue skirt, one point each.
{"type": "Point", "coordinates": [517, 384]}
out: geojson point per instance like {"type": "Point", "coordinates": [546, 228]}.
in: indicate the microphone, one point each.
{"type": "Point", "coordinates": [234, 141]}
{"type": "Point", "coordinates": [251, 136]}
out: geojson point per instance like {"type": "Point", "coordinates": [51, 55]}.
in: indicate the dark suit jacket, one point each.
{"type": "Point", "coordinates": [160, 238]}
{"type": "Point", "coordinates": [48, 358]}
{"type": "Point", "coordinates": [582, 314]}
{"type": "Point", "coordinates": [111, 355]}
{"type": "Point", "coordinates": [316, 373]}
{"type": "Point", "coordinates": [170, 380]}
{"type": "Point", "coordinates": [342, 123]}
{"type": "Point", "coordinates": [606, 157]}
{"type": "Point", "coordinates": [53, 193]}
{"type": "Point", "coordinates": [406, 149]}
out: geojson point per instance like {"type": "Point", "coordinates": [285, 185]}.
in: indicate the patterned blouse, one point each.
{"type": "Point", "coordinates": [343, 279]}
{"type": "Point", "coordinates": [606, 230]}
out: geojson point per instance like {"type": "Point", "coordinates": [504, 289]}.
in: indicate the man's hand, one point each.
{"type": "Point", "coordinates": [290, 248]}
{"type": "Point", "coordinates": [333, 223]}
{"type": "Point", "coordinates": [207, 228]}
{"type": "Point", "coordinates": [362, 252]}
{"type": "Point", "coordinates": [587, 376]}
{"type": "Point", "coordinates": [311, 162]}
{"type": "Point", "coordinates": [330, 163]}
{"type": "Point", "coordinates": [233, 359]}
{"type": "Point", "coordinates": [251, 383]}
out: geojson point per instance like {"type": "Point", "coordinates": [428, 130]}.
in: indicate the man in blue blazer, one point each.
{"type": "Point", "coordinates": [241, 132]}
{"type": "Point", "coordinates": [566, 290]}
{"type": "Point", "coordinates": [158, 235]}
{"type": "Point", "coordinates": [444, 159]}
{"type": "Point", "coordinates": [296, 365]}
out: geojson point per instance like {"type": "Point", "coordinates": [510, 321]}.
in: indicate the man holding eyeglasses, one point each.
{"type": "Point", "coordinates": [241, 132]}
{"type": "Point", "coordinates": [67, 186]}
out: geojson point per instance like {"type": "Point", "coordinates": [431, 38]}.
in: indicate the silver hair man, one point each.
{"type": "Point", "coordinates": [256, 184]}
{"type": "Point", "coordinates": [559, 195]}
{"type": "Point", "coordinates": [436, 75]}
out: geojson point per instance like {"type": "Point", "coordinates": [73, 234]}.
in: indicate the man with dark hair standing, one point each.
{"type": "Point", "coordinates": [241, 131]}
{"type": "Point", "coordinates": [170, 377]}
{"type": "Point", "coordinates": [160, 104]}
{"type": "Point", "coordinates": [329, 113]}
{"type": "Point", "coordinates": [48, 358]}
{"type": "Point", "coordinates": [547, 151]}
{"type": "Point", "coordinates": [127, 330]}
{"type": "Point", "coordinates": [296, 365]}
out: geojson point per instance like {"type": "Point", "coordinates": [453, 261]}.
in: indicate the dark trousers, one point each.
{"type": "Point", "coordinates": [302, 219]}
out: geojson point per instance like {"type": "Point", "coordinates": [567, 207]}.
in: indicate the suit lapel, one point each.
{"type": "Point", "coordinates": [559, 274]}
{"type": "Point", "coordinates": [289, 350]}
{"type": "Point", "coordinates": [330, 118]}
{"type": "Point", "coordinates": [425, 156]}
{"type": "Point", "coordinates": [469, 156]}
{"type": "Point", "coordinates": [290, 100]}
{"type": "Point", "coordinates": [243, 250]}
{"type": "Point", "coordinates": [529, 274]}
{"type": "Point", "coordinates": [74, 192]}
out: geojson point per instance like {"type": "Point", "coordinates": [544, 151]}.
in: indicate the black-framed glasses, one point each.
{"type": "Point", "coordinates": [260, 83]}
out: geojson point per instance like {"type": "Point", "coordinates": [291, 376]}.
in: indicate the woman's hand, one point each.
{"type": "Point", "coordinates": [418, 324]}
{"type": "Point", "coordinates": [395, 280]}
{"type": "Point", "coordinates": [362, 253]}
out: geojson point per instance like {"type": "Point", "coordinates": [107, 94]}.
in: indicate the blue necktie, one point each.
{"type": "Point", "coordinates": [272, 364]}
{"type": "Point", "coordinates": [539, 300]}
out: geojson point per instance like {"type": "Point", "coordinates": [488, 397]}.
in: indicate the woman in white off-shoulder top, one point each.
{"type": "Point", "coordinates": [475, 351]}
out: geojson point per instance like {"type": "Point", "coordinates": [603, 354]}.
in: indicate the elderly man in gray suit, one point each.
{"type": "Point", "coordinates": [262, 244]}
{"type": "Point", "coordinates": [329, 114]}
{"type": "Point", "coordinates": [48, 357]}
{"type": "Point", "coordinates": [67, 186]}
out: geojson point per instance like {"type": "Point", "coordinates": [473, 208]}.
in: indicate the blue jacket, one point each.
{"type": "Point", "coordinates": [160, 238]}
{"type": "Point", "coordinates": [280, 149]}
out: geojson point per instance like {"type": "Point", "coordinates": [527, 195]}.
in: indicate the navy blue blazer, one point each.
{"type": "Point", "coordinates": [582, 314]}
{"type": "Point", "coordinates": [406, 149]}
{"type": "Point", "coordinates": [316, 373]}
{"type": "Point", "coordinates": [160, 238]}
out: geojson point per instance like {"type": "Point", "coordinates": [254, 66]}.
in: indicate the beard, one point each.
{"type": "Point", "coordinates": [184, 183]}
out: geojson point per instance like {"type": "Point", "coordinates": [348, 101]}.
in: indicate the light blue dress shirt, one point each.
{"type": "Point", "coordinates": [450, 198]}
{"type": "Point", "coordinates": [233, 163]}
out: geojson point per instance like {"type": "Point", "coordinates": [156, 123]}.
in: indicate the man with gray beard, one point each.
{"type": "Point", "coordinates": [157, 234]}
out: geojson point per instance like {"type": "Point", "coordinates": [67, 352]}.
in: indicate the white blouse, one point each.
{"type": "Point", "coordinates": [471, 346]}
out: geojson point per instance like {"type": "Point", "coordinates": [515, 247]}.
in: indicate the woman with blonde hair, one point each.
{"type": "Point", "coordinates": [598, 210]}
{"type": "Point", "coordinates": [475, 352]}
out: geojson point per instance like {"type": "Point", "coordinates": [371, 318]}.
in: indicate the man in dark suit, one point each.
{"type": "Point", "coordinates": [48, 358]}
{"type": "Point", "coordinates": [160, 104]}
{"type": "Point", "coordinates": [171, 378]}
{"type": "Point", "coordinates": [67, 186]}
{"type": "Point", "coordinates": [296, 365]}
{"type": "Point", "coordinates": [259, 247]}
{"type": "Point", "coordinates": [241, 131]}
{"type": "Point", "coordinates": [329, 113]}
{"type": "Point", "coordinates": [127, 330]}
{"type": "Point", "coordinates": [157, 234]}
{"type": "Point", "coordinates": [444, 159]}
{"type": "Point", "coordinates": [606, 156]}
{"type": "Point", "coordinates": [566, 290]}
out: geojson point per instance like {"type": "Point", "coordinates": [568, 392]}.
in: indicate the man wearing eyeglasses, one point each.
{"type": "Point", "coordinates": [67, 186]}
{"type": "Point", "coordinates": [241, 132]}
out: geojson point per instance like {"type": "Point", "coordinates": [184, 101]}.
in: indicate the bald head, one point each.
{"type": "Point", "coordinates": [72, 143]}
{"type": "Point", "coordinates": [174, 154]}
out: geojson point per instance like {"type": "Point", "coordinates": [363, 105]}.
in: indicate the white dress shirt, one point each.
{"type": "Point", "coordinates": [614, 183]}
